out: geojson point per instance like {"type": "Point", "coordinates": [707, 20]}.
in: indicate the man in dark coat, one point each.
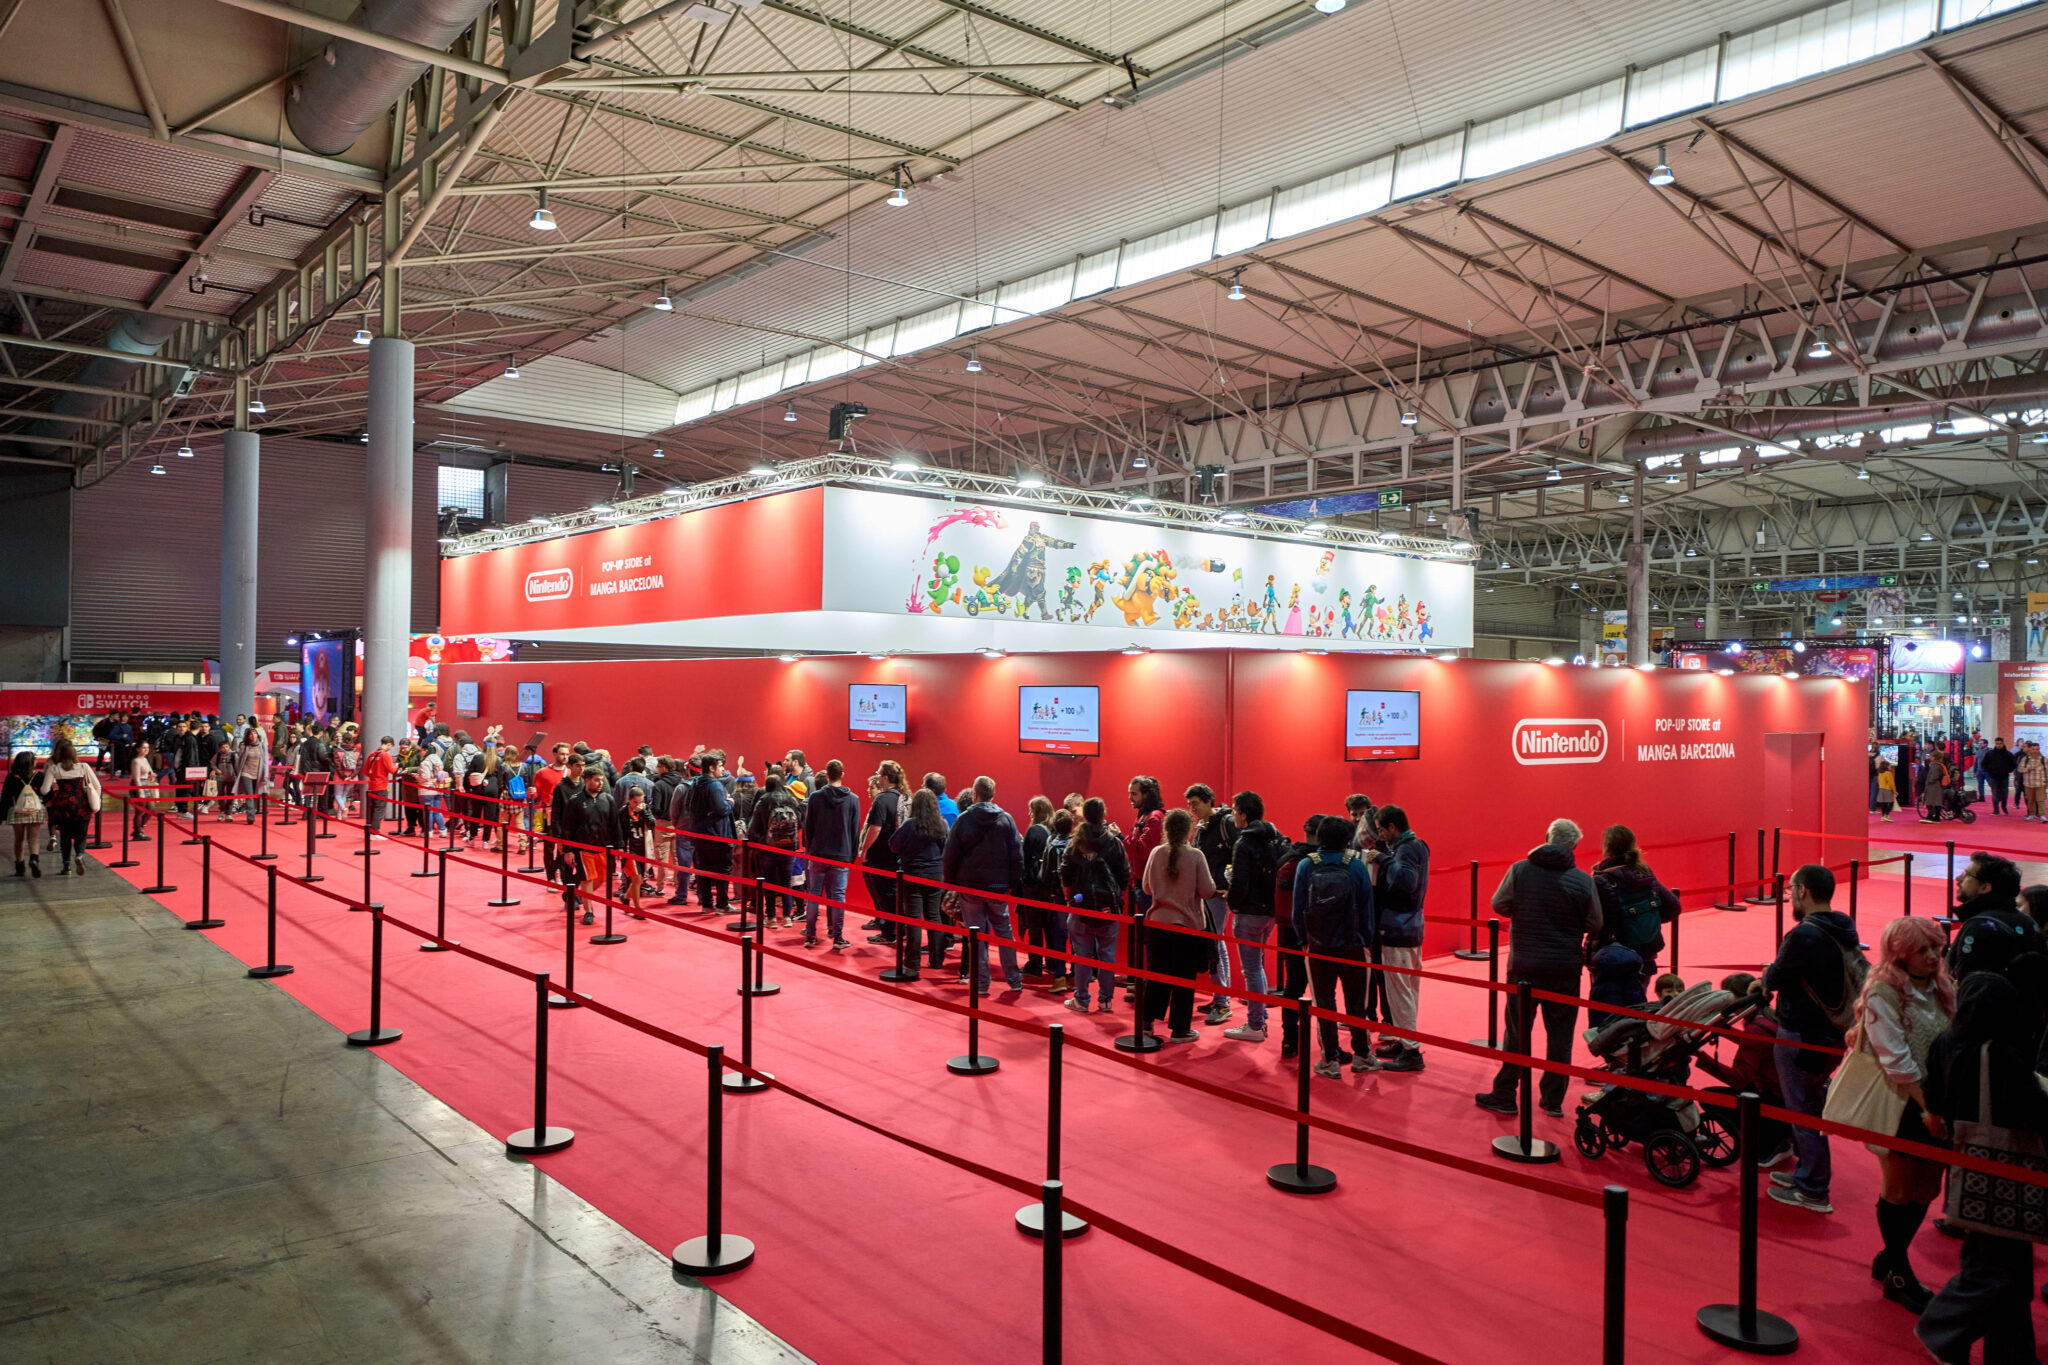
{"type": "Point", "coordinates": [1555, 908]}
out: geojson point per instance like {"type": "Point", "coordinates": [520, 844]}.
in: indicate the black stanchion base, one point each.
{"type": "Point", "coordinates": [1031, 1222]}
{"type": "Point", "coordinates": [606, 939]}
{"type": "Point", "coordinates": [971, 1066]}
{"type": "Point", "coordinates": [364, 1037]}
{"type": "Point", "coordinates": [1139, 1042]}
{"type": "Point", "coordinates": [503, 901]}
{"type": "Point", "coordinates": [694, 1256]}
{"type": "Point", "coordinates": [1773, 1335]}
{"type": "Point", "coordinates": [737, 1083]}
{"type": "Point", "coordinates": [893, 974]}
{"type": "Point", "coordinates": [366, 853]}
{"type": "Point", "coordinates": [1757, 900]}
{"type": "Point", "coordinates": [274, 969]}
{"type": "Point", "coordinates": [1481, 1042]}
{"type": "Point", "coordinates": [524, 1143]}
{"type": "Point", "coordinates": [432, 947]}
{"type": "Point", "coordinates": [329, 835]}
{"type": "Point", "coordinates": [562, 1002]}
{"type": "Point", "coordinates": [188, 843]}
{"type": "Point", "coordinates": [1301, 1179]}
{"type": "Point", "coordinates": [157, 890]}
{"type": "Point", "coordinates": [125, 862]}
{"type": "Point", "coordinates": [763, 988]}
{"type": "Point", "coordinates": [312, 877]}
{"type": "Point", "coordinates": [1508, 1147]}
{"type": "Point", "coordinates": [204, 923]}
{"type": "Point", "coordinates": [740, 926]}
{"type": "Point", "coordinates": [529, 869]}
{"type": "Point", "coordinates": [253, 857]}
{"type": "Point", "coordinates": [1469, 955]}
{"type": "Point", "coordinates": [98, 844]}
{"type": "Point", "coordinates": [368, 905]}
{"type": "Point", "coordinates": [1729, 905]}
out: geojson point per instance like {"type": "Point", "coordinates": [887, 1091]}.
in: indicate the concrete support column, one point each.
{"type": "Point", "coordinates": [1713, 615]}
{"type": "Point", "coordinates": [1638, 580]}
{"type": "Point", "coordinates": [387, 539]}
{"type": "Point", "coordinates": [241, 453]}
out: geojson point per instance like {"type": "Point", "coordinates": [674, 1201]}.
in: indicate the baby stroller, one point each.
{"type": "Point", "coordinates": [1676, 1137]}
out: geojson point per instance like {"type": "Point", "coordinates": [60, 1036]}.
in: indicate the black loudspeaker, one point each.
{"type": "Point", "coordinates": [844, 415]}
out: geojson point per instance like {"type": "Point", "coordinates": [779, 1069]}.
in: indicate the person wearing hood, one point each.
{"type": "Point", "coordinates": [1401, 866]}
{"type": "Point", "coordinates": [1634, 905]}
{"type": "Point", "coordinates": [1554, 908]}
{"type": "Point", "coordinates": [1333, 920]}
{"type": "Point", "coordinates": [831, 836]}
{"type": "Point", "coordinates": [1816, 989]}
{"type": "Point", "coordinates": [1992, 929]}
{"type": "Point", "coordinates": [1290, 967]}
{"type": "Point", "coordinates": [985, 856]}
{"type": "Point", "coordinates": [1991, 1296]}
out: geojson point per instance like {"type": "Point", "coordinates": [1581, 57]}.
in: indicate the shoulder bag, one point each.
{"type": "Point", "coordinates": [1979, 1201]}
{"type": "Point", "coordinates": [1861, 1096]}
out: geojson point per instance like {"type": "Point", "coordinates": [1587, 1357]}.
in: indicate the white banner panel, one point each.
{"type": "Point", "coordinates": [928, 558]}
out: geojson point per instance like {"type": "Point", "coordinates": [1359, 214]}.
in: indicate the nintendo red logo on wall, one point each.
{"type": "Point", "coordinates": [1548, 740]}
{"type": "Point", "coordinates": [550, 585]}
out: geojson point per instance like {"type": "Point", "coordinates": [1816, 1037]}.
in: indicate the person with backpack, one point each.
{"type": "Point", "coordinates": [1816, 979]}
{"type": "Point", "coordinates": [1058, 922]}
{"type": "Point", "coordinates": [878, 860]}
{"type": "Point", "coordinates": [1634, 905]}
{"type": "Point", "coordinates": [1033, 909]}
{"type": "Point", "coordinates": [1991, 929]}
{"type": "Point", "coordinates": [1333, 919]}
{"type": "Point", "coordinates": [985, 858]}
{"type": "Point", "coordinates": [1291, 968]}
{"type": "Point", "coordinates": [710, 807]}
{"type": "Point", "coordinates": [1554, 908]}
{"type": "Point", "coordinates": [772, 831]}
{"type": "Point", "coordinates": [919, 844]}
{"type": "Point", "coordinates": [1215, 837]}
{"type": "Point", "coordinates": [1093, 875]}
{"type": "Point", "coordinates": [1400, 865]}
{"type": "Point", "coordinates": [831, 836]}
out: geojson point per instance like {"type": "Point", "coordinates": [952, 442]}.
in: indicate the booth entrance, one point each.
{"type": "Point", "coordinates": [1793, 787]}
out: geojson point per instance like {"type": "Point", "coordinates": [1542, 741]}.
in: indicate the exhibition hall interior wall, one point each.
{"type": "Point", "coordinates": [1505, 746]}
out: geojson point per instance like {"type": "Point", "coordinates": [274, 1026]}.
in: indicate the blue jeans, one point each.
{"type": "Point", "coordinates": [829, 882]}
{"type": "Point", "coordinates": [433, 801]}
{"type": "Point", "coordinates": [990, 916]}
{"type": "Point", "coordinates": [1094, 938]}
{"type": "Point", "coordinates": [1251, 959]}
{"type": "Point", "coordinates": [1806, 1092]}
{"type": "Point", "coordinates": [1217, 915]}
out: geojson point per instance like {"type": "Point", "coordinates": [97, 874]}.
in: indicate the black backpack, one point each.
{"type": "Point", "coordinates": [1254, 864]}
{"type": "Point", "coordinates": [782, 825]}
{"type": "Point", "coordinates": [1329, 898]}
{"type": "Point", "coordinates": [1640, 925]}
{"type": "Point", "coordinates": [1049, 868]}
{"type": "Point", "coordinates": [1098, 889]}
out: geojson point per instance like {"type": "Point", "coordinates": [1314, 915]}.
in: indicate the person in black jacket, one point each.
{"type": "Point", "coordinates": [711, 823]}
{"type": "Point", "coordinates": [1034, 915]}
{"type": "Point", "coordinates": [633, 836]}
{"type": "Point", "coordinates": [1292, 973]}
{"type": "Point", "coordinates": [1991, 1296]}
{"type": "Point", "coordinates": [920, 847]}
{"type": "Point", "coordinates": [1554, 908]}
{"type": "Point", "coordinates": [1215, 839]}
{"type": "Point", "coordinates": [589, 820]}
{"type": "Point", "coordinates": [985, 856]}
{"type": "Point", "coordinates": [1814, 985]}
{"type": "Point", "coordinates": [831, 837]}
{"type": "Point", "coordinates": [1400, 862]}
{"type": "Point", "coordinates": [772, 828]}
{"type": "Point", "coordinates": [1094, 875]}
{"type": "Point", "coordinates": [1997, 767]}
{"type": "Point", "coordinates": [1255, 858]}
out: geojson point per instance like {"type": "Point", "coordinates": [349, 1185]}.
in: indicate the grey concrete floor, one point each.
{"type": "Point", "coordinates": [194, 1168]}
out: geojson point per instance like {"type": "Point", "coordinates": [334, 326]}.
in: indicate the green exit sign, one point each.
{"type": "Point", "coordinates": [1887, 580]}
{"type": "Point", "coordinates": [1390, 497]}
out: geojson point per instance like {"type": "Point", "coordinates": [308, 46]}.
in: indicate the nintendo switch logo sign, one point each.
{"type": "Point", "coordinates": [550, 585]}
{"type": "Point", "coordinates": [1547, 740]}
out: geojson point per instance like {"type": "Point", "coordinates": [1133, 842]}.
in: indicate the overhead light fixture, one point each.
{"type": "Point", "coordinates": [974, 361]}
{"type": "Point", "coordinates": [878, 658]}
{"type": "Point", "coordinates": [897, 198]}
{"type": "Point", "coordinates": [1621, 498]}
{"type": "Point", "coordinates": [1140, 462]}
{"type": "Point", "coordinates": [675, 490]}
{"type": "Point", "coordinates": [1575, 585]}
{"type": "Point", "coordinates": [790, 658]}
{"type": "Point", "coordinates": [447, 540]}
{"type": "Point", "coordinates": [1408, 417]}
{"type": "Point", "coordinates": [511, 371]}
{"type": "Point", "coordinates": [256, 407]}
{"type": "Point", "coordinates": [291, 639]}
{"type": "Point", "coordinates": [1145, 500]}
{"type": "Point", "coordinates": [362, 336]}
{"type": "Point", "coordinates": [540, 521]}
{"type": "Point", "coordinates": [600, 507]}
{"type": "Point", "coordinates": [1735, 647]}
{"type": "Point", "coordinates": [1330, 6]}
{"type": "Point", "coordinates": [1030, 480]}
{"type": "Point", "coordinates": [1134, 649]}
{"type": "Point", "coordinates": [1820, 350]}
{"type": "Point", "coordinates": [1660, 174]}
{"type": "Point", "coordinates": [1672, 478]}
{"type": "Point", "coordinates": [789, 412]}
{"type": "Point", "coordinates": [1236, 285]}
{"type": "Point", "coordinates": [1861, 472]}
{"type": "Point", "coordinates": [658, 454]}
{"type": "Point", "coordinates": [1551, 476]}
{"type": "Point", "coordinates": [903, 464]}
{"type": "Point", "coordinates": [1926, 535]}
{"type": "Point", "coordinates": [1918, 621]}
{"type": "Point", "coordinates": [1983, 563]}
{"type": "Point", "coordinates": [760, 470]}
{"type": "Point", "coordinates": [1316, 528]}
{"type": "Point", "coordinates": [156, 469]}
{"type": "Point", "coordinates": [1692, 554]}
{"type": "Point", "coordinates": [1799, 646]}
{"type": "Point", "coordinates": [991, 652]}
{"type": "Point", "coordinates": [662, 302]}
{"type": "Point", "coordinates": [1555, 660]}
{"type": "Point", "coordinates": [1233, 517]}
{"type": "Point", "coordinates": [185, 451]}
{"type": "Point", "coordinates": [1976, 651]}
{"type": "Point", "coordinates": [543, 219]}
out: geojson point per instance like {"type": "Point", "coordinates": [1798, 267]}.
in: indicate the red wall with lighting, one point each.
{"type": "Point", "coordinates": [1269, 722]}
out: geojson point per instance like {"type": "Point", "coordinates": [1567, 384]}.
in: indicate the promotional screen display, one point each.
{"type": "Point", "coordinates": [1381, 725]}
{"type": "Point", "coordinates": [466, 699]}
{"type": "Point", "coordinates": [877, 713]}
{"type": "Point", "coordinates": [1059, 720]}
{"type": "Point", "coordinates": [327, 680]}
{"type": "Point", "coordinates": [532, 701]}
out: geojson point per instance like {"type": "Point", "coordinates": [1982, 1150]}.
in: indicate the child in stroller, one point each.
{"type": "Point", "coordinates": [1676, 1136]}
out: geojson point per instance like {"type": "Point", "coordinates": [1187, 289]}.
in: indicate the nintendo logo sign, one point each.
{"type": "Point", "coordinates": [550, 585]}
{"type": "Point", "coordinates": [1550, 740]}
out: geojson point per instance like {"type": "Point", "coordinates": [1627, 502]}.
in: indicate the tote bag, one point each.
{"type": "Point", "coordinates": [1861, 1097]}
{"type": "Point", "coordinates": [1979, 1201]}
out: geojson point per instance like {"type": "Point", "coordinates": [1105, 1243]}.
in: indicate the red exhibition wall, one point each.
{"type": "Point", "coordinates": [1506, 746]}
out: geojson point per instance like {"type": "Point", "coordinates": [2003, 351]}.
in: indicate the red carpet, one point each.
{"type": "Point", "coordinates": [869, 1250]}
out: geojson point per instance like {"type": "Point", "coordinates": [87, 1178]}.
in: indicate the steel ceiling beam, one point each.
{"type": "Point", "coordinates": [383, 42]}
{"type": "Point", "coordinates": [2018, 147]}
{"type": "Point", "coordinates": [245, 197]}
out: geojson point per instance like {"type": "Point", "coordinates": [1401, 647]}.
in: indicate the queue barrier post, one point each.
{"type": "Point", "coordinates": [973, 1063]}
{"type": "Point", "coordinates": [1742, 1325]}
{"type": "Point", "coordinates": [1141, 1038]}
{"type": "Point", "coordinates": [532, 843]}
{"type": "Point", "coordinates": [310, 876]}
{"type": "Point", "coordinates": [1948, 899]}
{"type": "Point", "coordinates": [906, 961]}
{"type": "Point", "coordinates": [192, 802]}
{"type": "Point", "coordinates": [611, 872]}
{"type": "Point", "coordinates": [1031, 1219]}
{"type": "Point", "coordinates": [1614, 1305]}
{"type": "Point", "coordinates": [1676, 921]}
{"type": "Point", "coordinates": [366, 853]}
{"type": "Point", "coordinates": [1730, 901]}
{"type": "Point", "coordinates": [206, 919]}
{"type": "Point", "coordinates": [739, 1081]}
{"type": "Point", "coordinates": [326, 788]}
{"type": "Point", "coordinates": [1052, 1329]}
{"type": "Point", "coordinates": [1778, 900]}
{"type": "Point", "coordinates": [539, 1139]}
{"type": "Point", "coordinates": [1854, 864]}
{"type": "Point", "coordinates": [717, 1252]}
{"type": "Point", "coordinates": [426, 835]}
{"type": "Point", "coordinates": [1492, 980]}
{"type": "Point", "coordinates": [1298, 1176]}
{"type": "Point", "coordinates": [1906, 889]}
{"type": "Point", "coordinates": [1525, 1148]}
{"type": "Point", "coordinates": [1470, 952]}
{"type": "Point", "coordinates": [99, 830]}
{"type": "Point", "coordinates": [376, 1035]}
{"type": "Point", "coordinates": [161, 886]}
{"type": "Point", "coordinates": [562, 1002]}
{"type": "Point", "coordinates": [440, 910]}
{"type": "Point", "coordinates": [271, 966]}
{"type": "Point", "coordinates": [263, 829]}
{"type": "Point", "coordinates": [1760, 896]}
{"type": "Point", "coordinates": [505, 896]}
{"type": "Point", "coordinates": [737, 854]}
{"type": "Point", "coordinates": [757, 986]}
{"type": "Point", "coordinates": [125, 860]}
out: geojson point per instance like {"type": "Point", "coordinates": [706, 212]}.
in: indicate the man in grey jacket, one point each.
{"type": "Point", "coordinates": [1554, 906]}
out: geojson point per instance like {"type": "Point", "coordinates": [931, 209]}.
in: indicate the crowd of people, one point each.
{"type": "Point", "coordinates": [1903, 1045]}
{"type": "Point", "coordinates": [1939, 781]}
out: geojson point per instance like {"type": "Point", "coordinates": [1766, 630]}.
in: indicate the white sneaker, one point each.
{"type": "Point", "coordinates": [1245, 1033]}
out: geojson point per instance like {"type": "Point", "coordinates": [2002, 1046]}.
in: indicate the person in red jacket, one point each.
{"type": "Point", "coordinates": [380, 770]}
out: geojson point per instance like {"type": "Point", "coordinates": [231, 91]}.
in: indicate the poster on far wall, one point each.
{"type": "Point", "coordinates": [2023, 694]}
{"type": "Point", "coordinates": [1884, 604]}
{"type": "Point", "coordinates": [1614, 638]}
{"type": "Point", "coordinates": [2037, 627]}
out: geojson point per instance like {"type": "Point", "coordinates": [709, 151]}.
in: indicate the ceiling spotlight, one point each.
{"type": "Point", "coordinates": [659, 454]}
{"type": "Point", "coordinates": [1861, 472]}
{"type": "Point", "coordinates": [760, 471]}
{"type": "Point", "coordinates": [1834, 620]}
{"type": "Point", "coordinates": [1660, 174]}
{"type": "Point", "coordinates": [1575, 585]}
{"type": "Point", "coordinates": [974, 361]}
{"type": "Point", "coordinates": [362, 336]}
{"type": "Point", "coordinates": [291, 639]}
{"type": "Point", "coordinates": [1236, 285]}
{"type": "Point", "coordinates": [1134, 649]}
{"type": "Point", "coordinates": [662, 302]}
{"type": "Point", "coordinates": [1918, 621]}
{"type": "Point", "coordinates": [1329, 6]}
{"type": "Point", "coordinates": [1233, 517]}
{"type": "Point", "coordinates": [1551, 476]}
{"type": "Point", "coordinates": [1983, 563]}
{"type": "Point", "coordinates": [256, 407]}
{"type": "Point", "coordinates": [511, 371]}
{"type": "Point", "coordinates": [991, 652]}
{"type": "Point", "coordinates": [903, 464]}
{"type": "Point", "coordinates": [1735, 647]}
{"type": "Point", "coordinates": [1926, 535]}
{"type": "Point", "coordinates": [1799, 646]}
{"type": "Point", "coordinates": [1029, 480]}
{"type": "Point", "coordinates": [1820, 350]}
{"type": "Point", "coordinates": [1976, 651]}
{"type": "Point", "coordinates": [600, 507]}
{"type": "Point", "coordinates": [1316, 528]}
{"type": "Point", "coordinates": [1692, 554]}
{"type": "Point", "coordinates": [156, 469]}
{"type": "Point", "coordinates": [185, 451]}
{"type": "Point", "coordinates": [543, 219]}
{"type": "Point", "coordinates": [363, 439]}
{"type": "Point", "coordinates": [897, 198]}
{"type": "Point", "coordinates": [1145, 500]}
{"type": "Point", "coordinates": [1139, 462]}
{"type": "Point", "coordinates": [447, 540]}
{"type": "Point", "coordinates": [675, 490]}
{"type": "Point", "coordinates": [1408, 418]}
{"type": "Point", "coordinates": [790, 658]}
{"type": "Point", "coordinates": [1671, 478]}
{"type": "Point", "coordinates": [540, 521]}
{"type": "Point", "coordinates": [789, 412]}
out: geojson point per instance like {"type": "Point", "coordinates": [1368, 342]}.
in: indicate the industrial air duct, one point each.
{"type": "Point", "coordinates": [340, 97]}
{"type": "Point", "coordinates": [140, 334]}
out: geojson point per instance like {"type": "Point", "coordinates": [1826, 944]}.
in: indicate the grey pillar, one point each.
{"type": "Point", "coordinates": [241, 453]}
{"type": "Point", "coordinates": [1713, 630]}
{"type": "Point", "coordinates": [1638, 579]}
{"type": "Point", "coordinates": [387, 539]}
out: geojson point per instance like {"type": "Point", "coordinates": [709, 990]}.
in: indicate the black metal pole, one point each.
{"type": "Point", "coordinates": [1760, 894]}
{"type": "Point", "coordinates": [1140, 1038]}
{"type": "Point", "coordinates": [426, 833]}
{"type": "Point", "coordinates": [376, 1035]}
{"type": "Point", "coordinates": [125, 860]}
{"type": "Point", "coordinates": [206, 919]}
{"type": "Point", "coordinates": [1948, 899]}
{"type": "Point", "coordinates": [718, 1252]}
{"type": "Point", "coordinates": [1908, 886]}
{"type": "Point", "coordinates": [309, 877]}
{"type": "Point", "coordinates": [1524, 1147]}
{"type": "Point", "coordinates": [973, 1063]}
{"type": "Point", "coordinates": [1470, 952]}
{"type": "Point", "coordinates": [505, 896]}
{"type": "Point", "coordinates": [192, 791]}
{"type": "Point", "coordinates": [1853, 865]}
{"type": "Point", "coordinates": [1031, 1218]}
{"type": "Point", "coordinates": [1742, 1324]}
{"type": "Point", "coordinates": [1051, 1329]}
{"type": "Point", "coordinates": [564, 1002]}
{"type": "Point", "coordinates": [1614, 1208]}
{"type": "Point", "coordinates": [610, 876]}
{"type": "Point", "coordinates": [532, 843]}
{"type": "Point", "coordinates": [161, 886]}
{"type": "Point", "coordinates": [327, 788]}
{"type": "Point", "coordinates": [759, 986]}
{"type": "Point", "coordinates": [1676, 920]}
{"type": "Point", "coordinates": [440, 912]}
{"type": "Point", "coordinates": [540, 1138]}
{"type": "Point", "coordinates": [739, 1080]}
{"type": "Point", "coordinates": [1298, 1176]}
{"type": "Point", "coordinates": [1729, 899]}
{"type": "Point", "coordinates": [733, 879]}
{"type": "Point", "coordinates": [263, 829]}
{"type": "Point", "coordinates": [271, 966]}
{"type": "Point", "coordinates": [906, 960]}
{"type": "Point", "coordinates": [1778, 900]}
{"type": "Point", "coordinates": [1492, 1039]}
{"type": "Point", "coordinates": [365, 853]}
{"type": "Point", "coordinates": [99, 827]}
